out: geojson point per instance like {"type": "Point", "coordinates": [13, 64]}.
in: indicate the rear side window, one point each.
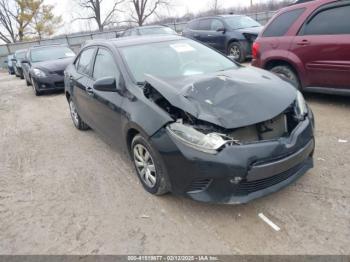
{"type": "Point", "coordinates": [193, 25]}
{"type": "Point", "coordinates": [85, 60]}
{"type": "Point", "coordinates": [335, 21]}
{"type": "Point", "coordinates": [282, 23]}
{"type": "Point", "coordinates": [205, 24]}
{"type": "Point", "coordinates": [105, 65]}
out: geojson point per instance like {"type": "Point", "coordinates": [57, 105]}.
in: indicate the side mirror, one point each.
{"type": "Point", "coordinates": [221, 29]}
{"type": "Point", "coordinates": [14, 60]}
{"type": "Point", "coordinates": [107, 84]}
{"type": "Point", "coordinates": [24, 61]}
{"type": "Point", "coordinates": [5, 61]}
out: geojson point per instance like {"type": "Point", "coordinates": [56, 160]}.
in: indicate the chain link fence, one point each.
{"type": "Point", "coordinates": [75, 41]}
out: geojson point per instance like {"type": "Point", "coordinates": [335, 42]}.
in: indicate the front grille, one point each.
{"type": "Point", "coordinates": [247, 187]}
{"type": "Point", "coordinates": [61, 72]}
{"type": "Point", "coordinates": [199, 185]}
{"type": "Point", "coordinates": [59, 84]}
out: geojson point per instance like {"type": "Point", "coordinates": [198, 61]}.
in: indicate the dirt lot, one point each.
{"type": "Point", "coordinates": [67, 192]}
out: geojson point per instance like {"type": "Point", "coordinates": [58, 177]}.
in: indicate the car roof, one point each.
{"type": "Point", "coordinates": [216, 16]}
{"type": "Point", "coordinates": [135, 40]}
{"type": "Point", "coordinates": [306, 4]}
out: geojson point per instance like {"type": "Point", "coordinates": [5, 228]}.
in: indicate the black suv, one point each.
{"type": "Point", "coordinates": [43, 67]}
{"type": "Point", "coordinates": [232, 35]}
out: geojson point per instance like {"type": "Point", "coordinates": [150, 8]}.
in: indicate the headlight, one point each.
{"type": "Point", "coordinates": [39, 73]}
{"type": "Point", "coordinates": [208, 143]}
{"type": "Point", "coordinates": [301, 107]}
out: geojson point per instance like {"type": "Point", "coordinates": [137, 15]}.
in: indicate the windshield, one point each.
{"type": "Point", "coordinates": [21, 55]}
{"type": "Point", "coordinates": [157, 31]}
{"type": "Point", "coordinates": [173, 59]}
{"type": "Point", "coordinates": [50, 53]}
{"type": "Point", "coordinates": [239, 22]}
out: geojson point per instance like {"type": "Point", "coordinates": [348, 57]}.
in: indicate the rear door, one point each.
{"type": "Point", "coordinates": [82, 83]}
{"type": "Point", "coordinates": [323, 45]}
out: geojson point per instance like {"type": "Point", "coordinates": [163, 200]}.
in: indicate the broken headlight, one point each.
{"type": "Point", "coordinates": [301, 107]}
{"type": "Point", "coordinates": [208, 143]}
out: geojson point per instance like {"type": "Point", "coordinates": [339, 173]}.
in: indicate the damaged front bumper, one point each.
{"type": "Point", "coordinates": [238, 173]}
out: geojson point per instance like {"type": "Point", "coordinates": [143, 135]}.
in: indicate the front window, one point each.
{"type": "Point", "coordinates": [21, 55]}
{"type": "Point", "coordinates": [239, 22]}
{"type": "Point", "coordinates": [173, 59]}
{"type": "Point", "coordinates": [50, 53]}
{"type": "Point", "coordinates": [157, 31]}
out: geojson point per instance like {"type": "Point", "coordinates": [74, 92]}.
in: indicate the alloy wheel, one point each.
{"type": "Point", "coordinates": [145, 165]}
{"type": "Point", "coordinates": [74, 113]}
{"type": "Point", "coordinates": [235, 52]}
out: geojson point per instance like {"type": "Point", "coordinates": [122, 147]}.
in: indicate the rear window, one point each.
{"type": "Point", "coordinates": [193, 25]}
{"type": "Point", "coordinates": [204, 24]}
{"type": "Point", "coordinates": [335, 21]}
{"type": "Point", "coordinates": [282, 23]}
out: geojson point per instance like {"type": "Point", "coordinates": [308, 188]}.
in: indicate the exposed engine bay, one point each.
{"type": "Point", "coordinates": [275, 128]}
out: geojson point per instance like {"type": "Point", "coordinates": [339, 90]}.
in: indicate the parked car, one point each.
{"type": "Point", "coordinates": [19, 55]}
{"type": "Point", "coordinates": [230, 34]}
{"type": "Point", "coordinates": [9, 63]}
{"type": "Point", "coordinates": [44, 66]}
{"type": "Point", "coordinates": [310, 45]}
{"type": "Point", "coordinates": [149, 30]}
{"type": "Point", "coordinates": [193, 121]}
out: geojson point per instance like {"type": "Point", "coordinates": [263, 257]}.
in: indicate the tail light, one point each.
{"type": "Point", "coordinates": [255, 50]}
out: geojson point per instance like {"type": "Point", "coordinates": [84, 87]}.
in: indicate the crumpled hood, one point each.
{"type": "Point", "coordinates": [230, 99]}
{"type": "Point", "coordinates": [54, 65]}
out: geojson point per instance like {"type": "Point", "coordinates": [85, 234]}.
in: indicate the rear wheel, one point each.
{"type": "Point", "coordinates": [287, 72]}
{"type": "Point", "coordinates": [77, 121]}
{"type": "Point", "coordinates": [149, 168]}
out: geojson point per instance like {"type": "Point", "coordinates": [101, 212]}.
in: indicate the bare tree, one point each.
{"type": "Point", "coordinates": [15, 18]}
{"type": "Point", "coordinates": [143, 9]}
{"type": "Point", "coordinates": [8, 27]}
{"type": "Point", "coordinates": [94, 12]}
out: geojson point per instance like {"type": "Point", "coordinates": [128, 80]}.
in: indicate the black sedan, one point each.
{"type": "Point", "coordinates": [44, 66]}
{"type": "Point", "coordinates": [193, 121]}
{"type": "Point", "coordinates": [230, 34]}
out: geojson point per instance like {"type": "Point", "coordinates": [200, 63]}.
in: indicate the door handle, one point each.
{"type": "Point", "coordinates": [303, 42]}
{"type": "Point", "coordinates": [89, 90]}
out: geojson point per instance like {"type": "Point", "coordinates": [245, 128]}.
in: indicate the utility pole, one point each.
{"type": "Point", "coordinates": [251, 3]}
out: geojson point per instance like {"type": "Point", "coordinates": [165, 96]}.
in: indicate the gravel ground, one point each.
{"type": "Point", "coordinates": [67, 192]}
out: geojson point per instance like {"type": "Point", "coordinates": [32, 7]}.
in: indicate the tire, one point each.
{"type": "Point", "coordinates": [35, 88]}
{"type": "Point", "coordinates": [27, 81]}
{"type": "Point", "coordinates": [158, 183]}
{"type": "Point", "coordinates": [236, 51]}
{"type": "Point", "coordinates": [21, 76]}
{"type": "Point", "coordinates": [288, 73]}
{"type": "Point", "coordinates": [77, 121]}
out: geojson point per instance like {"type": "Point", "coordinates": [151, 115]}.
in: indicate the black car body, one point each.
{"type": "Point", "coordinates": [149, 30]}
{"type": "Point", "coordinates": [224, 136]}
{"type": "Point", "coordinates": [230, 34]}
{"type": "Point", "coordinates": [19, 55]}
{"type": "Point", "coordinates": [9, 63]}
{"type": "Point", "coordinates": [44, 66]}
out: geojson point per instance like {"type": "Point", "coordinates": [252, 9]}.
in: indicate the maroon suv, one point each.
{"type": "Point", "coordinates": [310, 45]}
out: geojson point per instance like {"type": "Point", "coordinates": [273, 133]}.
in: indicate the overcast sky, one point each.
{"type": "Point", "coordinates": [69, 10]}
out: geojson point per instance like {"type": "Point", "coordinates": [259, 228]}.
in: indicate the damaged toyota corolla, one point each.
{"type": "Point", "coordinates": [194, 122]}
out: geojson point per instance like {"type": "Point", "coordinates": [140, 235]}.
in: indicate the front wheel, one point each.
{"type": "Point", "coordinates": [288, 73]}
{"type": "Point", "coordinates": [77, 121]}
{"type": "Point", "coordinates": [149, 168]}
{"type": "Point", "coordinates": [35, 88]}
{"type": "Point", "coordinates": [235, 50]}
